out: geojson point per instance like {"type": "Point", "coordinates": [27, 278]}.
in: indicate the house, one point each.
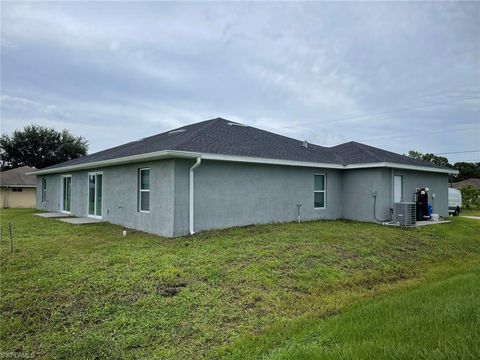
{"type": "Point", "coordinates": [219, 173]}
{"type": "Point", "coordinates": [17, 189]}
{"type": "Point", "coordinates": [473, 182]}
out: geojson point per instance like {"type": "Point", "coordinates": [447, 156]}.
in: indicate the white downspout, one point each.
{"type": "Point", "coordinates": [190, 218]}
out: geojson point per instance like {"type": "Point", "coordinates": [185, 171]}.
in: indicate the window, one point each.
{"type": "Point", "coordinates": [17, 189]}
{"type": "Point", "coordinates": [144, 190]}
{"type": "Point", "coordinates": [44, 189]}
{"type": "Point", "coordinates": [319, 197]}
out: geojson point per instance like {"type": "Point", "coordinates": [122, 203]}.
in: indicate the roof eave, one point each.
{"type": "Point", "coordinates": [401, 166]}
{"type": "Point", "coordinates": [166, 154]}
{"type": "Point", "coordinates": [18, 186]}
{"type": "Point", "coordinates": [269, 161]}
{"type": "Point", "coordinates": [157, 155]}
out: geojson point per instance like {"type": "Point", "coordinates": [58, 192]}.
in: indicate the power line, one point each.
{"type": "Point", "coordinates": [457, 152]}
{"type": "Point", "coordinates": [425, 133]}
{"type": "Point", "coordinates": [470, 160]}
{"type": "Point", "coordinates": [381, 112]}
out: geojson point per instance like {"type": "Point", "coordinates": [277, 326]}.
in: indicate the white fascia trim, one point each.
{"type": "Point", "coordinates": [164, 154]}
{"type": "Point", "coordinates": [18, 186]}
{"type": "Point", "coordinates": [249, 159]}
{"type": "Point", "coordinates": [400, 166]}
{"type": "Point", "coordinates": [157, 155]}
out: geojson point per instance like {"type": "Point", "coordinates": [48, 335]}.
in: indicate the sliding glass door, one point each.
{"type": "Point", "coordinates": [95, 189]}
{"type": "Point", "coordinates": [66, 193]}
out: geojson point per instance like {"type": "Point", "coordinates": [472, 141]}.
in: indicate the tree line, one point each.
{"type": "Point", "coordinates": [467, 170]}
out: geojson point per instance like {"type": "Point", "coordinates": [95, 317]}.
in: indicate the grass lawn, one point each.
{"type": "Point", "coordinates": [271, 290]}
{"type": "Point", "coordinates": [472, 212]}
{"type": "Point", "coordinates": [439, 318]}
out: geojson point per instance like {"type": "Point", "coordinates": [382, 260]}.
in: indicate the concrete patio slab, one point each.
{"type": "Point", "coordinates": [426, 223]}
{"type": "Point", "coordinates": [421, 223]}
{"type": "Point", "coordinates": [52, 215]}
{"type": "Point", "coordinates": [81, 221]}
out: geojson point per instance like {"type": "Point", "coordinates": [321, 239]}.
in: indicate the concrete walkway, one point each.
{"type": "Point", "coordinates": [426, 223]}
{"type": "Point", "coordinates": [81, 221]}
{"type": "Point", "coordinates": [471, 217]}
{"type": "Point", "coordinates": [53, 215]}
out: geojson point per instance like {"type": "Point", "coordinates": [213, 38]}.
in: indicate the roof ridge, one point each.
{"type": "Point", "coordinates": [142, 139]}
{"type": "Point", "coordinates": [337, 156]}
{"type": "Point", "coordinates": [219, 119]}
{"type": "Point", "coordinates": [368, 151]}
{"type": "Point", "coordinates": [285, 137]}
{"type": "Point", "coordinates": [208, 124]}
{"type": "Point", "coordinates": [334, 150]}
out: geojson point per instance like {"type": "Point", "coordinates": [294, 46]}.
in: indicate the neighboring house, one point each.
{"type": "Point", "coordinates": [218, 174]}
{"type": "Point", "coordinates": [472, 182]}
{"type": "Point", "coordinates": [18, 188]}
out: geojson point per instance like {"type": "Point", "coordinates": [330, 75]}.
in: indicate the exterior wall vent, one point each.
{"type": "Point", "coordinates": [176, 131]}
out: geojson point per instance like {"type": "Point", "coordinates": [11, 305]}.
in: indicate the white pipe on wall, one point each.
{"type": "Point", "coordinates": [191, 194]}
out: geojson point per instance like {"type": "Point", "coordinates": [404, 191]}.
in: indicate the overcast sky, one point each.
{"type": "Point", "coordinates": [399, 76]}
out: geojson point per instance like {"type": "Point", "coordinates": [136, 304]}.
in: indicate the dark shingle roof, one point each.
{"type": "Point", "coordinates": [18, 177]}
{"type": "Point", "coordinates": [469, 182]}
{"type": "Point", "coordinates": [356, 153]}
{"type": "Point", "coordinates": [220, 136]}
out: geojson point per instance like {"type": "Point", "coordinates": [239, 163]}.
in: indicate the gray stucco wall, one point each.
{"type": "Point", "coordinates": [358, 185]}
{"type": "Point", "coordinates": [120, 197]}
{"type": "Point", "coordinates": [236, 194]}
{"type": "Point", "coordinates": [53, 197]}
{"type": "Point", "coordinates": [436, 182]}
{"type": "Point", "coordinates": [182, 174]}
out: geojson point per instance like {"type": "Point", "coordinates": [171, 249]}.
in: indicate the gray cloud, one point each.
{"type": "Point", "coordinates": [395, 75]}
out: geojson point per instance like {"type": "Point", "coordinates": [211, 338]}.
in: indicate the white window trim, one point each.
{"type": "Point", "coordinates": [44, 190]}
{"type": "Point", "coordinates": [140, 190]}
{"type": "Point", "coordinates": [324, 191]}
{"type": "Point", "coordinates": [95, 198]}
{"type": "Point", "coordinates": [62, 204]}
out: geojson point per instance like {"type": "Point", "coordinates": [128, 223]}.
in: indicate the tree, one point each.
{"type": "Point", "coordinates": [39, 147]}
{"type": "Point", "coordinates": [470, 197]}
{"type": "Point", "coordinates": [431, 158]}
{"type": "Point", "coordinates": [467, 170]}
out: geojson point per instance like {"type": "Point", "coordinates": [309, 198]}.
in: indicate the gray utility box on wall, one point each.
{"type": "Point", "coordinates": [404, 213]}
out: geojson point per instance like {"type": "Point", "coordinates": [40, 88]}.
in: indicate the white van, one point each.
{"type": "Point", "coordinates": [454, 201]}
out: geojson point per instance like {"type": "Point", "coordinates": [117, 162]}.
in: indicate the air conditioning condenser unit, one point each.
{"type": "Point", "coordinates": [404, 213]}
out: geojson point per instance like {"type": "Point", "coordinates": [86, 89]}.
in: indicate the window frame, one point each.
{"type": "Point", "coordinates": [324, 191]}
{"type": "Point", "coordinates": [140, 190]}
{"type": "Point", "coordinates": [95, 175]}
{"type": "Point", "coordinates": [44, 189]}
{"type": "Point", "coordinates": [62, 186]}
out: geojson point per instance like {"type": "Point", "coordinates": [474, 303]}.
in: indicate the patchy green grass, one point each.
{"type": "Point", "coordinates": [88, 292]}
{"type": "Point", "coordinates": [438, 319]}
